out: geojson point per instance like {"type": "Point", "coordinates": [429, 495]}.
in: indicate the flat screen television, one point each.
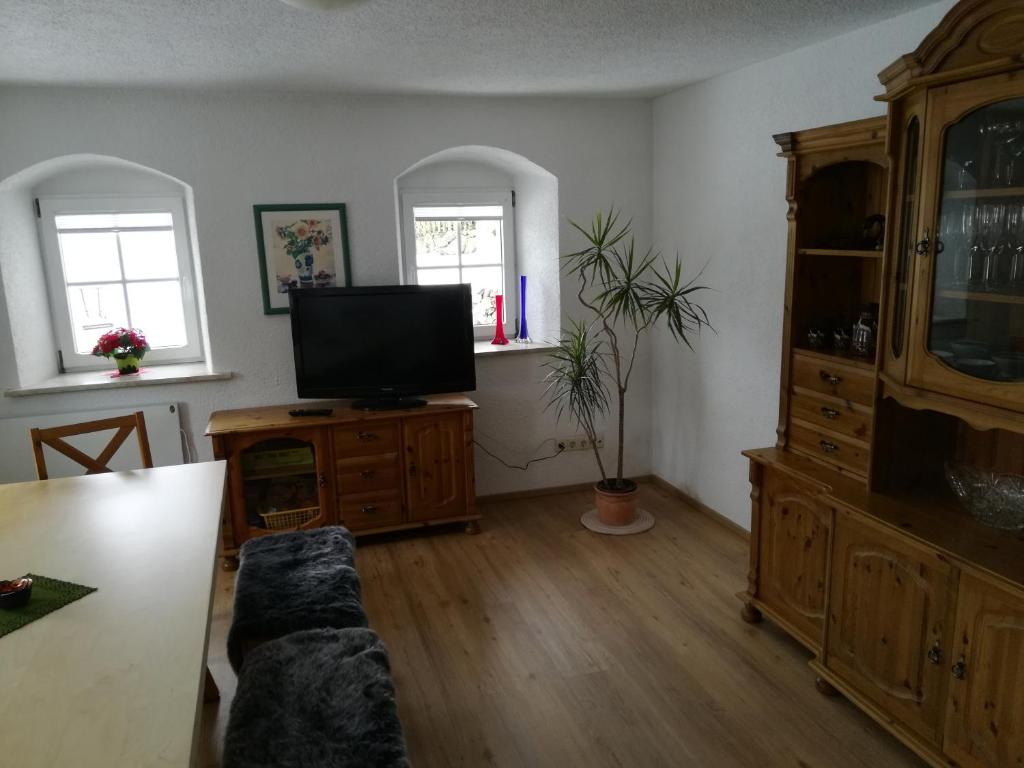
{"type": "Point", "coordinates": [383, 344]}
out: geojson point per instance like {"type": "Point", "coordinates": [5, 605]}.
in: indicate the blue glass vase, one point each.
{"type": "Point", "coordinates": [524, 334]}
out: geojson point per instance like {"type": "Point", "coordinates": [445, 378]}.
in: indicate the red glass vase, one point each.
{"type": "Point", "coordinates": [499, 316]}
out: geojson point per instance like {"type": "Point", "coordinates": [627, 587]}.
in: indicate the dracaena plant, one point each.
{"type": "Point", "coordinates": [627, 293]}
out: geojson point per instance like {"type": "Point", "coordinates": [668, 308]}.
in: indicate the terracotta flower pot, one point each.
{"type": "Point", "coordinates": [616, 507]}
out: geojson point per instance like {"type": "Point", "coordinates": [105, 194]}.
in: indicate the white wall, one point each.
{"type": "Point", "coordinates": [719, 193]}
{"type": "Point", "coordinates": [235, 150]}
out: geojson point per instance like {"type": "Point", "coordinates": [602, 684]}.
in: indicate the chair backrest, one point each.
{"type": "Point", "coordinates": [124, 425]}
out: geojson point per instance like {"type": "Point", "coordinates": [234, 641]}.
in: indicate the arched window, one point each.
{"type": "Point", "coordinates": [483, 216]}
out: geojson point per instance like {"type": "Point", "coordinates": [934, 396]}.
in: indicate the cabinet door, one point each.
{"type": "Point", "coordinates": [279, 481]}
{"type": "Point", "coordinates": [887, 622]}
{"type": "Point", "coordinates": [968, 331]}
{"type": "Point", "coordinates": [985, 716]}
{"type": "Point", "coordinates": [794, 540]}
{"type": "Point", "coordinates": [435, 467]}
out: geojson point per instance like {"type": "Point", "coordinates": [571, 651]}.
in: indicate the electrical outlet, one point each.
{"type": "Point", "coordinates": [577, 443]}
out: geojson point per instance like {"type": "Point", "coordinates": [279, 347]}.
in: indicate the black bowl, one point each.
{"type": "Point", "coordinates": [15, 593]}
{"type": "Point", "coordinates": [974, 350]}
{"type": "Point", "coordinates": [982, 369]}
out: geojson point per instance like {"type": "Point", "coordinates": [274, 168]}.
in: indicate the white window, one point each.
{"type": "Point", "coordinates": [120, 262]}
{"type": "Point", "coordinates": [463, 236]}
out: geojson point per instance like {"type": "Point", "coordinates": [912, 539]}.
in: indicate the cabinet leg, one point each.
{"type": "Point", "coordinates": [750, 614]}
{"type": "Point", "coordinates": [824, 687]}
{"type": "Point", "coordinates": [229, 562]}
{"type": "Point", "coordinates": [473, 527]}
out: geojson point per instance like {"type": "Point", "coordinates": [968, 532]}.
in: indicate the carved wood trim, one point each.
{"type": "Point", "coordinates": [976, 37]}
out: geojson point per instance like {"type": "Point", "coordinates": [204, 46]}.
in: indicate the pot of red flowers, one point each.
{"type": "Point", "coordinates": [126, 345]}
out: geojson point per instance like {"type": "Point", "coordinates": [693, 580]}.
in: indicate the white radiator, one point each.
{"type": "Point", "coordinates": [17, 463]}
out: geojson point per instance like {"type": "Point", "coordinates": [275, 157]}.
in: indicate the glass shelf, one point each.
{"type": "Point", "coordinates": [997, 298]}
{"type": "Point", "coordinates": [968, 194]}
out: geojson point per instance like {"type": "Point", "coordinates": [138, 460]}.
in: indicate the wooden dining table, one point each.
{"type": "Point", "coordinates": [117, 677]}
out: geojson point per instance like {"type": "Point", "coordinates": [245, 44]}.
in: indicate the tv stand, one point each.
{"type": "Point", "coordinates": [371, 471]}
{"type": "Point", "coordinates": [388, 403]}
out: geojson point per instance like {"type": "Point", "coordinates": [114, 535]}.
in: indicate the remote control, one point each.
{"type": "Point", "coordinates": [311, 412]}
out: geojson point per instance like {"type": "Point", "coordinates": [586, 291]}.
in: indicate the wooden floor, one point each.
{"type": "Point", "coordinates": [538, 643]}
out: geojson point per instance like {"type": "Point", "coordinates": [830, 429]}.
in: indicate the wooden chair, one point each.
{"type": "Point", "coordinates": [124, 425]}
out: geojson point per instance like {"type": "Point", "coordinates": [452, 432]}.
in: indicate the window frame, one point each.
{"type": "Point", "coordinates": [52, 206]}
{"type": "Point", "coordinates": [463, 198]}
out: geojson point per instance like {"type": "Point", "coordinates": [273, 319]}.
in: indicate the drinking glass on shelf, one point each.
{"type": "Point", "coordinates": [1009, 144]}
{"type": "Point", "coordinates": [966, 178]}
{"type": "Point", "coordinates": [951, 239]}
{"type": "Point", "coordinates": [979, 256]}
{"type": "Point", "coordinates": [992, 225]}
{"type": "Point", "coordinates": [1014, 274]}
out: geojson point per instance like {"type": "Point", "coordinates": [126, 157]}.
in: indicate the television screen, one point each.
{"type": "Point", "coordinates": [383, 342]}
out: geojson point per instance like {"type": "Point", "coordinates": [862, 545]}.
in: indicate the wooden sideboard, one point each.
{"type": "Point", "coordinates": [913, 609]}
{"type": "Point", "coordinates": [371, 471]}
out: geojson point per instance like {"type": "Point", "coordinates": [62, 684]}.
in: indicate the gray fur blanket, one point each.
{"type": "Point", "coordinates": [288, 582]}
{"type": "Point", "coordinates": [316, 699]}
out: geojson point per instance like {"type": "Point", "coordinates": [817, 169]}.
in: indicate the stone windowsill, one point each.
{"type": "Point", "coordinates": [486, 349]}
{"type": "Point", "coordinates": [182, 373]}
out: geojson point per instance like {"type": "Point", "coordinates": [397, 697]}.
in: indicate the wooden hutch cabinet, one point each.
{"type": "Point", "coordinates": [913, 609]}
{"type": "Point", "coordinates": [369, 471]}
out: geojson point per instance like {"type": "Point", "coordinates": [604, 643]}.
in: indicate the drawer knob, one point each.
{"type": "Point", "coordinates": [935, 654]}
{"type": "Point", "coordinates": [366, 474]}
{"type": "Point", "coordinates": [829, 413]}
{"type": "Point", "coordinates": [829, 378]}
{"type": "Point", "coordinates": [369, 509]}
{"type": "Point", "coordinates": [367, 436]}
{"type": "Point", "coordinates": [828, 447]}
{"type": "Point", "coordinates": [960, 668]}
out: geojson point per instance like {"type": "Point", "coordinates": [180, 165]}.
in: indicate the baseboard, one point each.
{"type": "Point", "coordinates": [683, 496]}
{"type": "Point", "coordinates": [550, 491]}
{"type": "Point", "coordinates": [659, 482]}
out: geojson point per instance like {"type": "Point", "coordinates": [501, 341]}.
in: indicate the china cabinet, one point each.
{"type": "Point", "coordinates": [912, 607]}
{"type": "Point", "coordinates": [369, 471]}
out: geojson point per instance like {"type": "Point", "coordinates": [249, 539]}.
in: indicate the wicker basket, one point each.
{"type": "Point", "coordinates": [289, 518]}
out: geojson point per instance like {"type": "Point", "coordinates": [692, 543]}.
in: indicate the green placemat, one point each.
{"type": "Point", "coordinates": [48, 595]}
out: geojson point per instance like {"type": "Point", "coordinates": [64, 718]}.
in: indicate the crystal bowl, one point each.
{"type": "Point", "coordinates": [992, 498]}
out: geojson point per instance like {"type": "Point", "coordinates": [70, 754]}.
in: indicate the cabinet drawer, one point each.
{"type": "Point", "coordinates": [370, 439]}
{"type": "Point", "coordinates": [369, 511]}
{"type": "Point", "coordinates": [852, 420]}
{"type": "Point", "coordinates": [359, 475]}
{"type": "Point", "coordinates": [829, 447]}
{"type": "Point", "coordinates": [834, 378]}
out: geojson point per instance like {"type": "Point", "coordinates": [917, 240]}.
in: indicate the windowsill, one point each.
{"type": "Point", "coordinates": [485, 348]}
{"type": "Point", "coordinates": [181, 373]}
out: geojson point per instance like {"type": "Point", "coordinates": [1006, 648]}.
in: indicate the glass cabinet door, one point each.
{"type": "Point", "coordinates": [976, 324]}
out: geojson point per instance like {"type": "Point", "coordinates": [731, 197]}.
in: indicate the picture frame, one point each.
{"type": "Point", "coordinates": [300, 245]}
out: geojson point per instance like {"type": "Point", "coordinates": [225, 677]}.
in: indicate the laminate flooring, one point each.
{"type": "Point", "coordinates": [539, 643]}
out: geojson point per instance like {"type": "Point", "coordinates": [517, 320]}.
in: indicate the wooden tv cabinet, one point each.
{"type": "Point", "coordinates": [371, 471]}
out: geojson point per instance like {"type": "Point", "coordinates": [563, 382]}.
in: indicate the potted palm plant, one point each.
{"type": "Point", "coordinates": [627, 294]}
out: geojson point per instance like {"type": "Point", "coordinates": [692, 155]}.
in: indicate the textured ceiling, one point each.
{"type": "Point", "coordinates": [496, 47]}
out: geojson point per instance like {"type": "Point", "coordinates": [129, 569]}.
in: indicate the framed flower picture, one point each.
{"type": "Point", "coordinates": [301, 245]}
